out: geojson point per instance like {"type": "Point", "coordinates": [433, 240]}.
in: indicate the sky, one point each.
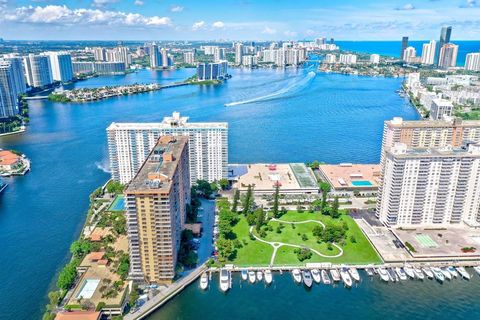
{"type": "Point", "coordinates": [236, 19]}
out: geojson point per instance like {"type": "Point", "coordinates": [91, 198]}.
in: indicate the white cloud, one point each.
{"type": "Point", "coordinates": [139, 3]}
{"type": "Point", "coordinates": [102, 3]}
{"type": "Point", "coordinates": [268, 30]}
{"type": "Point", "coordinates": [62, 15]}
{"type": "Point", "coordinates": [407, 7]}
{"type": "Point", "coordinates": [176, 9]}
{"type": "Point", "coordinates": [198, 25]}
{"type": "Point", "coordinates": [218, 25]}
{"type": "Point", "coordinates": [290, 33]}
{"type": "Point", "coordinates": [310, 32]}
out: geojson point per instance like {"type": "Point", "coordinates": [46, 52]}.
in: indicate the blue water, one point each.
{"type": "Point", "coordinates": [118, 204]}
{"type": "Point", "coordinates": [332, 118]}
{"type": "Point", "coordinates": [392, 48]}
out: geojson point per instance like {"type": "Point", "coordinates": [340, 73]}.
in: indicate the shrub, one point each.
{"type": "Point", "coordinates": [353, 239]}
{"type": "Point", "coordinates": [410, 247]}
{"type": "Point", "coordinates": [329, 246]}
{"type": "Point", "coordinates": [304, 237]}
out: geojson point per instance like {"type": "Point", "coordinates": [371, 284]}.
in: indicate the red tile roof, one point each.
{"type": "Point", "coordinates": [78, 315]}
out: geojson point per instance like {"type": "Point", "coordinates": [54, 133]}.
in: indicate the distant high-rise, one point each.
{"type": "Point", "coordinates": [61, 64]}
{"type": "Point", "coordinates": [472, 61]}
{"type": "Point", "coordinates": [238, 53]}
{"type": "Point", "coordinates": [8, 91]}
{"type": "Point", "coordinates": [448, 56]}
{"type": "Point", "coordinates": [375, 58]}
{"type": "Point", "coordinates": [445, 34]}
{"type": "Point", "coordinates": [18, 69]}
{"type": "Point", "coordinates": [100, 54]}
{"type": "Point", "coordinates": [189, 57]}
{"type": "Point", "coordinates": [409, 54]}
{"type": "Point", "coordinates": [404, 46]}
{"type": "Point", "coordinates": [212, 71]}
{"type": "Point", "coordinates": [219, 54]}
{"type": "Point", "coordinates": [332, 41]}
{"type": "Point", "coordinates": [164, 55]}
{"type": "Point", "coordinates": [37, 70]}
{"type": "Point", "coordinates": [428, 52]}
{"type": "Point", "coordinates": [155, 57]}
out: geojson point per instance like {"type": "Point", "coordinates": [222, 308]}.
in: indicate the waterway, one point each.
{"type": "Point", "coordinates": [328, 117]}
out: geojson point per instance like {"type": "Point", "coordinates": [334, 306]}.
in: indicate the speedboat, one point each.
{"type": "Point", "coordinates": [244, 274]}
{"type": "Point", "coordinates": [445, 272]}
{"type": "Point", "coordinates": [297, 275]}
{"type": "Point", "coordinates": [383, 274]}
{"type": "Point", "coordinates": [316, 276]}
{"type": "Point", "coordinates": [224, 280]}
{"type": "Point", "coordinates": [268, 276]}
{"type": "Point", "coordinates": [354, 274]}
{"type": "Point", "coordinates": [453, 271]}
{"type": "Point", "coordinates": [401, 273]}
{"type": "Point", "coordinates": [418, 273]}
{"type": "Point", "coordinates": [347, 280]}
{"type": "Point", "coordinates": [369, 271]}
{"type": "Point", "coordinates": [477, 270]}
{"type": "Point", "coordinates": [204, 281]}
{"type": "Point", "coordinates": [259, 275]}
{"type": "Point", "coordinates": [465, 275]}
{"type": "Point", "coordinates": [335, 275]}
{"type": "Point", "coordinates": [251, 276]}
{"type": "Point", "coordinates": [437, 272]}
{"type": "Point", "coordinates": [325, 277]}
{"type": "Point", "coordinates": [428, 272]}
{"type": "Point", "coordinates": [409, 271]}
{"type": "Point", "coordinates": [392, 274]}
{"type": "Point", "coordinates": [307, 278]}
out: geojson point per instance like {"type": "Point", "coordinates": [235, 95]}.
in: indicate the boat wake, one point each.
{"type": "Point", "coordinates": [103, 165]}
{"type": "Point", "coordinates": [296, 86]}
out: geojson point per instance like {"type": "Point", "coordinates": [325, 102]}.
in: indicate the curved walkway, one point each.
{"type": "Point", "coordinates": [277, 245]}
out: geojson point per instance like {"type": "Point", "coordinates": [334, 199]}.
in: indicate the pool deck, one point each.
{"type": "Point", "coordinates": [351, 177]}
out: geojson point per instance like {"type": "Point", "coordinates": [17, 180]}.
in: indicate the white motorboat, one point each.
{"type": "Point", "coordinates": [383, 274]}
{"type": "Point", "coordinates": [409, 271]}
{"type": "Point", "coordinates": [369, 271]}
{"type": "Point", "coordinates": [418, 273]}
{"type": "Point", "coordinates": [307, 278]}
{"type": "Point", "coordinates": [428, 272]}
{"type": "Point", "coordinates": [224, 280]}
{"type": "Point", "coordinates": [465, 275]}
{"type": "Point", "coordinates": [244, 275]}
{"type": "Point", "coordinates": [204, 281]}
{"type": "Point", "coordinates": [268, 276]}
{"type": "Point", "coordinates": [347, 280]}
{"type": "Point", "coordinates": [316, 276]}
{"type": "Point", "coordinates": [297, 275]}
{"type": "Point", "coordinates": [354, 273]}
{"type": "Point", "coordinates": [393, 276]}
{"type": "Point", "coordinates": [325, 277]}
{"type": "Point", "coordinates": [251, 276]}
{"type": "Point", "coordinates": [335, 275]}
{"type": "Point", "coordinates": [445, 272]}
{"type": "Point", "coordinates": [438, 274]}
{"type": "Point", "coordinates": [401, 273]}
{"type": "Point", "coordinates": [453, 271]}
{"type": "Point", "coordinates": [477, 270]}
{"type": "Point", "coordinates": [259, 275]}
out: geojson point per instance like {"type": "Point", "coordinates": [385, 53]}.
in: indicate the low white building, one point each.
{"type": "Point", "coordinates": [440, 108]}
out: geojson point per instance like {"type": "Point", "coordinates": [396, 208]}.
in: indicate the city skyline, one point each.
{"type": "Point", "coordinates": [253, 20]}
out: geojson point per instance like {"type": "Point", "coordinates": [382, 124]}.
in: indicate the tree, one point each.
{"type": "Point", "coordinates": [224, 184]}
{"type": "Point", "coordinates": [303, 254]}
{"type": "Point", "coordinates": [214, 187]}
{"type": "Point", "coordinates": [251, 218]}
{"type": "Point", "coordinates": [276, 196]}
{"type": "Point", "coordinates": [260, 219]}
{"type": "Point", "coordinates": [225, 249]}
{"type": "Point", "coordinates": [115, 187]}
{"type": "Point", "coordinates": [80, 248]}
{"type": "Point", "coordinates": [325, 187]}
{"type": "Point", "coordinates": [204, 188]}
{"type": "Point", "coordinates": [134, 295]}
{"type": "Point", "coordinates": [334, 212]}
{"type": "Point", "coordinates": [100, 306]}
{"type": "Point", "coordinates": [68, 274]}
{"type": "Point", "coordinates": [248, 200]}
{"type": "Point", "coordinates": [236, 198]}
{"type": "Point", "coordinates": [123, 266]}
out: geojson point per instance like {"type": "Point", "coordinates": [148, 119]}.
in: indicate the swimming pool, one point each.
{"type": "Point", "coordinates": [88, 288]}
{"type": "Point", "coordinates": [118, 204]}
{"type": "Point", "coordinates": [361, 183]}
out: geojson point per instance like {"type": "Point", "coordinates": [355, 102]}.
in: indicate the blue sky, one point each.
{"type": "Point", "coordinates": [237, 19]}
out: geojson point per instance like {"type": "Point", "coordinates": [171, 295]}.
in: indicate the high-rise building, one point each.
{"type": "Point", "coordinates": [164, 55]}
{"type": "Point", "coordinates": [208, 50]}
{"type": "Point", "coordinates": [219, 54]}
{"type": "Point", "coordinates": [404, 46]}
{"type": "Point", "coordinates": [330, 58]}
{"type": "Point", "coordinates": [83, 67]}
{"type": "Point", "coordinates": [212, 71]}
{"type": "Point", "coordinates": [430, 187]}
{"type": "Point", "coordinates": [428, 52]}
{"type": "Point", "coordinates": [155, 57]}
{"type": "Point", "coordinates": [409, 54]}
{"type": "Point", "coordinates": [156, 202]}
{"type": "Point", "coordinates": [61, 64]}
{"type": "Point", "coordinates": [19, 71]}
{"type": "Point", "coordinates": [189, 57]}
{"type": "Point", "coordinates": [238, 53]}
{"type": "Point", "coordinates": [448, 56]}
{"type": "Point", "coordinates": [119, 54]}
{"type": "Point", "coordinates": [109, 67]}
{"type": "Point", "coordinates": [8, 91]}
{"type": "Point", "coordinates": [472, 61]}
{"type": "Point", "coordinates": [440, 108]}
{"type": "Point", "coordinates": [130, 143]}
{"type": "Point", "coordinates": [445, 34]}
{"type": "Point", "coordinates": [100, 54]}
{"type": "Point", "coordinates": [37, 70]}
{"type": "Point", "coordinates": [375, 58]}
{"type": "Point", "coordinates": [249, 60]}
{"type": "Point", "coordinates": [348, 58]}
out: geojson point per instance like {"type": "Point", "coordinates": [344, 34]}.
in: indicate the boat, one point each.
{"type": "Point", "coordinates": [335, 275]}
{"type": "Point", "coordinates": [354, 274]}
{"type": "Point", "coordinates": [259, 275]}
{"type": "Point", "coordinates": [325, 277]}
{"type": "Point", "coordinates": [477, 270]}
{"type": "Point", "coordinates": [244, 275]}
{"type": "Point", "coordinates": [438, 274]}
{"type": "Point", "coordinates": [370, 271]}
{"type": "Point", "coordinates": [409, 271]}
{"type": "Point", "coordinates": [428, 272]}
{"type": "Point", "coordinates": [316, 276]}
{"type": "Point", "coordinates": [418, 273]}
{"type": "Point", "coordinates": [445, 272]}
{"type": "Point", "coordinates": [465, 275]}
{"type": "Point", "coordinates": [224, 280]}
{"type": "Point", "coordinates": [268, 276]}
{"type": "Point", "coordinates": [347, 280]}
{"type": "Point", "coordinates": [453, 271]}
{"type": "Point", "coordinates": [251, 276]}
{"type": "Point", "coordinates": [204, 281]}
{"type": "Point", "coordinates": [307, 278]}
{"type": "Point", "coordinates": [297, 275]}
{"type": "Point", "coordinates": [383, 274]}
{"type": "Point", "coordinates": [392, 274]}
{"type": "Point", "coordinates": [401, 273]}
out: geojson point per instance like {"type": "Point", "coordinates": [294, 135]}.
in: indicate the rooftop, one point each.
{"type": "Point", "coordinates": [342, 175]}
{"type": "Point", "coordinates": [78, 315]}
{"type": "Point", "coordinates": [400, 123]}
{"type": "Point", "coordinates": [402, 150]}
{"type": "Point", "coordinates": [8, 157]}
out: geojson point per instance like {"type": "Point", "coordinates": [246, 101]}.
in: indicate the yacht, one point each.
{"type": "Point", "coordinates": [393, 276]}
{"type": "Point", "coordinates": [335, 275]}
{"type": "Point", "coordinates": [347, 280]}
{"type": "Point", "coordinates": [259, 275]}
{"type": "Point", "coordinates": [428, 272]}
{"type": "Point", "coordinates": [418, 273]}
{"type": "Point", "coordinates": [369, 271]}
{"type": "Point", "coordinates": [445, 272]}
{"type": "Point", "coordinates": [224, 280]}
{"type": "Point", "coordinates": [204, 281]}
{"type": "Point", "coordinates": [244, 275]}
{"type": "Point", "coordinates": [307, 278]}
{"type": "Point", "coordinates": [463, 273]}
{"type": "Point", "coordinates": [316, 276]}
{"type": "Point", "coordinates": [438, 274]}
{"type": "Point", "coordinates": [409, 271]}
{"type": "Point", "coordinates": [477, 270]}
{"type": "Point", "coordinates": [297, 275]}
{"type": "Point", "coordinates": [268, 276]}
{"type": "Point", "coordinates": [453, 271]}
{"type": "Point", "coordinates": [383, 274]}
{"type": "Point", "coordinates": [251, 276]}
{"type": "Point", "coordinates": [354, 274]}
{"type": "Point", "coordinates": [326, 278]}
{"type": "Point", "coordinates": [401, 273]}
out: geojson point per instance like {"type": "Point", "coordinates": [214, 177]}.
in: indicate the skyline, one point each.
{"type": "Point", "coordinates": [252, 20]}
